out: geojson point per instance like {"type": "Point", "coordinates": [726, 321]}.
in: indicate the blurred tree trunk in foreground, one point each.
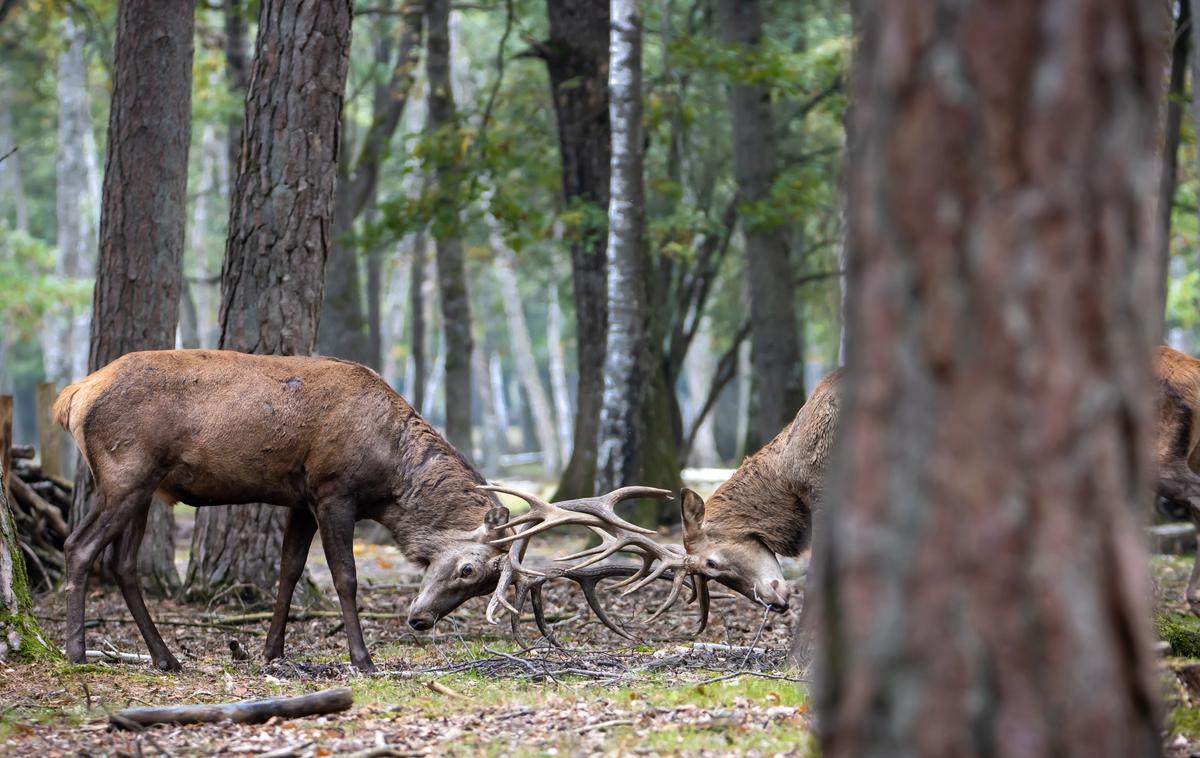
{"type": "Point", "coordinates": [576, 56]}
{"type": "Point", "coordinates": [774, 335]}
{"type": "Point", "coordinates": [447, 230]}
{"type": "Point", "coordinates": [279, 230]}
{"type": "Point", "coordinates": [144, 208]}
{"type": "Point", "coordinates": [980, 581]}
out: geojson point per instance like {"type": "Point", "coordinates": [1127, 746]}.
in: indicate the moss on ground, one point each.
{"type": "Point", "coordinates": [1181, 632]}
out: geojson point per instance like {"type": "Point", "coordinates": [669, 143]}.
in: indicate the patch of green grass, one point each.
{"type": "Point", "coordinates": [1184, 721]}
{"type": "Point", "coordinates": [16, 720]}
{"type": "Point", "coordinates": [1181, 632]}
{"type": "Point", "coordinates": [791, 739]}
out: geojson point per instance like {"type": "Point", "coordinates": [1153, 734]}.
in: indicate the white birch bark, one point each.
{"type": "Point", "coordinates": [522, 351]}
{"type": "Point", "coordinates": [395, 313]}
{"type": "Point", "coordinates": [499, 395]}
{"type": "Point", "coordinates": [619, 450]}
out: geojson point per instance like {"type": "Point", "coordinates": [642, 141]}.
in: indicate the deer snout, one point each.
{"type": "Point", "coordinates": [422, 623]}
{"type": "Point", "coordinates": [775, 595]}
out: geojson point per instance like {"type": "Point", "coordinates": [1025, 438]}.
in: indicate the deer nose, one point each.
{"type": "Point", "coordinates": [777, 598]}
{"type": "Point", "coordinates": [421, 623]}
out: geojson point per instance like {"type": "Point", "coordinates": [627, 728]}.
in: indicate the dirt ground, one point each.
{"type": "Point", "coordinates": [469, 687]}
{"type": "Point", "coordinates": [495, 695]}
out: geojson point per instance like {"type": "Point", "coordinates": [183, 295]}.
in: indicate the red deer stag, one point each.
{"type": "Point", "coordinates": [765, 509]}
{"type": "Point", "coordinates": [1178, 446]}
{"type": "Point", "coordinates": [327, 439]}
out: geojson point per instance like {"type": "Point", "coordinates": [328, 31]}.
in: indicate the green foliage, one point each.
{"type": "Point", "coordinates": [1181, 632]}
{"type": "Point", "coordinates": [29, 283]}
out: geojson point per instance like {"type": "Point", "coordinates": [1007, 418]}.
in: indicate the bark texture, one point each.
{"type": "Point", "coordinates": [1172, 128]}
{"type": "Point", "coordinates": [142, 217]}
{"type": "Point", "coordinates": [20, 636]}
{"type": "Point", "coordinates": [279, 231]}
{"type": "Point", "coordinates": [576, 55]}
{"type": "Point", "coordinates": [980, 578]}
{"type": "Point", "coordinates": [627, 357]}
{"type": "Point", "coordinates": [776, 352]}
{"type": "Point", "coordinates": [451, 257]}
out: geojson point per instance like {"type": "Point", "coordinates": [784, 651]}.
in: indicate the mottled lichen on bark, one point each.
{"type": "Point", "coordinates": [21, 637]}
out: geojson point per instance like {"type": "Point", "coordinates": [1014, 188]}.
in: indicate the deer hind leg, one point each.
{"type": "Point", "coordinates": [1179, 484]}
{"type": "Point", "coordinates": [297, 537]}
{"type": "Point", "coordinates": [337, 537]}
{"type": "Point", "coordinates": [128, 547]}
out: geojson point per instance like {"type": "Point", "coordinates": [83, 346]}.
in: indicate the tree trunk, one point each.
{"type": "Point", "coordinates": [499, 398]}
{"type": "Point", "coordinates": [492, 447]}
{"type": "Point", "coordinates": [65, 347]}
{"type": "Point", "coordinates": [451, 258]}
{"type": "Point", "coordinates": [577, 60]}
{"type": "Point", "coordinates": [194, 318]}
{"type": "Point", "coordinates": [280, 220]}
{"type": "Point", "coordinates": [10, 167]}
{"type": "Point", "coordinates": [345, 332]}
{"type": "Point", "coordinates": [627, 368]}
{"type": "Point", "coordinates": [980, 582]}
{"type": "Point", "coordinates": [416, 298]}
{"type": "Point", "coordinates": [699, 370]}
{"type": "Point", "coordinates": [20, 636]}
{"type": "Point", "coordinates": [1172, 127]}
{"type": "Point", "coordinates": [142, 218]}
{"type": "Point", "coordinates": [558, 371]}
{"type": "Point", "coordinates": [237, 75]}
{"type": "Point", "coordinates": [394, 302]}
{"type": "Point", "coordinates": [774, 335]}
{"type": "Point", "coordinates": [522, 352]}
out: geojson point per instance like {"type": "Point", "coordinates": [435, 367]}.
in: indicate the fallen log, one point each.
{"type": "Point", "coordinates": [25, 495]}
{"type": "Point", "coordinates": [245, 712]}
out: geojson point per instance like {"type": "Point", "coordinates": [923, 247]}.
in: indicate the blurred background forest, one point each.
{"type": "Point", "coordinates": [516, 225]}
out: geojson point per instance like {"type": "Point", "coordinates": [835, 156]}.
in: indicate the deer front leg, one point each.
{"type": "Point", "coordinates": [1177, 483]}
{"type": "Point", "coordinates": [297, 538]}
{"type": "Point", "coordinates": [336, 521]}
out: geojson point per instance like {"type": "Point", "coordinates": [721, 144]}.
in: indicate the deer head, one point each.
{"type": "Point", "coordinates": [467, 566]}
{"type": "Point", "coordinates": [739, 560]}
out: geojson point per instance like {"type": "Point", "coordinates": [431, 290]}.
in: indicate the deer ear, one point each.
{"type": "Point", "coordinates": [691, 505]}
{"type": "Point", "coordinates": [495, 523]}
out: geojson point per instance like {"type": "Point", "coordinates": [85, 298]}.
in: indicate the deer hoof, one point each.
{"type": "Point", "coordinates": [168, 664]}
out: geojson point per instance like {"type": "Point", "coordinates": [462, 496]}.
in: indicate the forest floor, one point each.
{"type": "Point", "coordinates": [470, 688]}
{"type": "Point", "coordinates": [495, 695]}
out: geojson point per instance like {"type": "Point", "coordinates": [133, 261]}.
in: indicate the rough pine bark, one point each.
{"type": "Point", "coordinates": [142, 217]}
{"type": "Point", "coordinates": [981, 584]}
{"type": "Point", "coordinates": [237, 74]}
{"type": "Point", "coordinates": [417, 307]}
{"type": "Point", "coordinates": [279, 230]}
{"type": "Point", "coordinates": [576, 56]}
{"type": "Point", "coordinates": [627, 358]}
{"type": "Point", "coordinates": [451, 256]}
{"type": "Point", "coordinates": [774, 334]}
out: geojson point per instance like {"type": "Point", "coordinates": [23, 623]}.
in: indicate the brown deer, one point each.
{"type": "Point", "coordinates": [327, 439]}
{"type": "Point", "coordinates": [1178, 446]}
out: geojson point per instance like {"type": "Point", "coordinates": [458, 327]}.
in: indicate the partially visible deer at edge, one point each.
{"type": "Point", "coordinates": [327, 439]}
{"type": "Point", "coordinates": [766, 508]}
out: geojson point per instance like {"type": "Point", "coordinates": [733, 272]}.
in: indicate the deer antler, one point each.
{"type": "Point", "coordinates": [617, 535]}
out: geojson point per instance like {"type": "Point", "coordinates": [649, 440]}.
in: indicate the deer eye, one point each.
{"type": "Point", "coordinates": [711, 564]}
{"type": "Point", "coordinates": [466, 571]}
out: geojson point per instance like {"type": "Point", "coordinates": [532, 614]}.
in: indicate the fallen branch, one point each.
{"type": "Point", "coordinates": [25, 495]}
{"type": "Point", "coordinates": [245, 712]}
{"type": "Point", "coordinates": [442, 689]}
{"type": "Point", "coordinates": [250, 618]}
{"type": "Point", "coordinates": [116, 655]}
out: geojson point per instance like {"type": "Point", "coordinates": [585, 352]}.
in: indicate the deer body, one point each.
{"type": "Point", "coordinates": [766, 508]}
{"type": "Point", "coordinates": [1177, 451]}
{"type": "Point", "coordinates": [327, 439]}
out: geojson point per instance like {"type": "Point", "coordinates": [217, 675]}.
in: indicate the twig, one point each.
{"type": "Point", "coordinates": [442, 689]}
{"type": "Point", "coordinates": [287, 750]}
{"type": "Point", "coordinates": [604, 725]}
{"type": "Point", "coordinates": [8, 154]}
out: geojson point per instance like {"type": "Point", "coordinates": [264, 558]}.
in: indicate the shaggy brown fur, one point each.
{"type": "Point", "coordinates": [328, 439]}
{"type": "Point", "coordinates": [772, 494]}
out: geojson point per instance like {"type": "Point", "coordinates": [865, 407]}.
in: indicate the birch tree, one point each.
{"type": "Point", "coordinates": [625, 363]}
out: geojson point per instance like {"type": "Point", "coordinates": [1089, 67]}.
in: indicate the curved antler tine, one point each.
{"type": "Point", "coordinates": [602, 509]}
{"type": "Point", "coordinates": [514, 619]}
{"type": "Point", "coordinates": [658, 571]}
{"type": "Point", "coordinates": [647, 565]}
{"type": "Point", "coordinates": [676, 586]}
{"type": "Point", "coordinates": [533, 500]}
{"type": "Point", "coordinates": [498, 599]}
{"type": "Point", "coordinates": [588, 585]}
{"type": "Point", "coordinates": [701, 583]}
{"type": "Point", "coordinates": [625, 493]}
{"type": "Point", "coordinates": [539, 615]}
